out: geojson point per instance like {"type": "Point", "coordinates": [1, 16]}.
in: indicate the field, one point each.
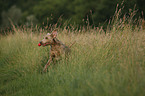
{"type": "Point", "coordinates": [102, 62]}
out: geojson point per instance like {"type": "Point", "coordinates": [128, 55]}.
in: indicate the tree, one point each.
{"type": "Point", "coordinates": [49, 11]}
{"type": "Point", "coordinates": [92, 12]}
{"type": "Point", "coordinates": [14, 14]}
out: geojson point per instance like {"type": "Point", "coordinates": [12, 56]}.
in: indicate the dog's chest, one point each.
{"type": "Point", "coordinates": [57, 51]}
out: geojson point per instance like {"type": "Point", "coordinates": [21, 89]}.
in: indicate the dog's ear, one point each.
{"type": "Point", "coordinates": [54, 33]}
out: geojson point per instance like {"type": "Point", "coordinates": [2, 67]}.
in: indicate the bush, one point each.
{"type": "Point", "coordinates": [14, 14]}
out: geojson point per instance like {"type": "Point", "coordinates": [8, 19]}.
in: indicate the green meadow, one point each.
{"type": "Point", "coordinates": [102, 62]}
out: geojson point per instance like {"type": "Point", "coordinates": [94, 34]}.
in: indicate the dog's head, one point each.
{"type": "Point", "coordinates": [48, 39]}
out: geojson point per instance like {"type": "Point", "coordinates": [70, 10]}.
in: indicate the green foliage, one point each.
{"type": "Point", "coordinates": [100, 64]}
{"type": "Point", "coordinates": [13, 14]}
{"type": "Point", "coordinates": [77, 12]}
{"type": "Point", "coordinates": [31, 19]}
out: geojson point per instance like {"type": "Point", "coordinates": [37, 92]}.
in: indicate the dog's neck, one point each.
{"type": "Point", "coordinates": [55, 42]}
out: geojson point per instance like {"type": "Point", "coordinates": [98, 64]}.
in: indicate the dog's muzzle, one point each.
{"type": "Point", "coordinates": [45, 44]}
{"type": "Point", "coordinates": [40, 43]}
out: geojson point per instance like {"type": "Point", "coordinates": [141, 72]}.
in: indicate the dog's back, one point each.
{"type": "Point", "coordinates": [59, 49]}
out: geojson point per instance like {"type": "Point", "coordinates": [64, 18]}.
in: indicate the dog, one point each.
{"type": "Point", "coordinates": [57, 48]}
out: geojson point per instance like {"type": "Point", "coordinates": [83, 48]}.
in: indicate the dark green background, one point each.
{"type": "Point", "coordinates": [78, 12]}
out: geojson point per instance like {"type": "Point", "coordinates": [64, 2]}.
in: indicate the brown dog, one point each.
{"type": "Point", "coordinates": [57, 50]}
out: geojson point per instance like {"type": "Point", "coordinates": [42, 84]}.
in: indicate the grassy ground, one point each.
{"type": "Point", "coordinates": [100, 64]}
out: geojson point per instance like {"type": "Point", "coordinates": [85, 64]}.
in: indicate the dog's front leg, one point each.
{"type": "Point", "coordinates": [47, 64]}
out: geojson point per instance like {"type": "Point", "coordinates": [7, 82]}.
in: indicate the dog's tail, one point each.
{"type": "Point", "coordinates": [72, 44]}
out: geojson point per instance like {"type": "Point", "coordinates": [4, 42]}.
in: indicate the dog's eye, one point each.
{"type": "Point", "coordinates": [46, 37]}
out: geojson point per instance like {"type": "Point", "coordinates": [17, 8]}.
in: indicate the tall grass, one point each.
{"type": "Point", "coordinates": [101, 63]}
